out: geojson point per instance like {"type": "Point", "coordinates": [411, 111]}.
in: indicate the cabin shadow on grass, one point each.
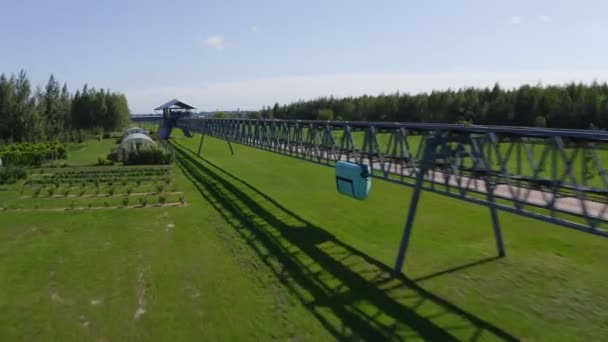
{"type": "Point", "coordinates": [353, 295]}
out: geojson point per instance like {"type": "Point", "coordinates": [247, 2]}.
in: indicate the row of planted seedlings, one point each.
{"type": "Point", "coordinates": [79, 183]}
{"type": "Point", "coordinates": [116, 192]}
{"type": "Point", "coordinates": [97, 188]}
{"type": "Point", "coordinates": [66, 203]}
{"type": "Point", "coordinates": [110, 172]}
{"type": "Point", "coordinates": [66, 176]}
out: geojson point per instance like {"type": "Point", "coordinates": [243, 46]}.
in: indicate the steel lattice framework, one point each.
{"type": "Point", "coordinates": [552, 175]}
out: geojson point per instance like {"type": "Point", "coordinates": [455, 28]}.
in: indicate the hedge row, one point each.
{"type": "Point", "coordinates": [29, 154]}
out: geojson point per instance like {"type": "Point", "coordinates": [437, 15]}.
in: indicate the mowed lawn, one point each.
{"type": "Point", "coordinates": [153, 274]}
{"type": "Point", "coordinates": [267, 250]}
{"type": "Point", "coordinates": [87, 154]}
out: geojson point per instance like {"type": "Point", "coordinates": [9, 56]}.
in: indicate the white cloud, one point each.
{"type": "Point", "coordinates": [215, 42]}
{"type": "Point", "coordinates": [515, 20]}
{"type": "Point", "coordinates": [253, 94]}
{"type": "Point", "coordinates": [544, 19]}
{"type": "Point", "coordinates": [254, 29]}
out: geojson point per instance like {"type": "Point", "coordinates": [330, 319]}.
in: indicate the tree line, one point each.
{"type": "Point", "coordinates": [573, 105]}
{"type": "Point", "coordinates": [53, 113]}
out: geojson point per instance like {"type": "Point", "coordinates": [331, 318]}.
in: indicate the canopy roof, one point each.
{"type": "Point", "coordinates": [134, 130]}
{"type": "Point", "coordinates": [174, 104]}
{"type": "Point", "coordinates": [136, 138]}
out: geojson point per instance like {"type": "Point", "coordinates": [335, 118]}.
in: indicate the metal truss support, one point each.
{"type": "Point", "coordinates": [558, 176]}
{"type": "Point", "coordinates": [530, 171]}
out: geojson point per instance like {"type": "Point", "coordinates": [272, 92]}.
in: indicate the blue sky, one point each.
{"type": "Point", "coordinates": [245, 54]}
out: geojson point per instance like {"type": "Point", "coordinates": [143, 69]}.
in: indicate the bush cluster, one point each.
{"type": "Point", "coordinates": [30, 154]}
{"type": "Point", "coordinates": [103, 161]}
{"type": "Point", "coordinates": [11, 174]}
{"type": "Point", "coordinates": [149, 155]}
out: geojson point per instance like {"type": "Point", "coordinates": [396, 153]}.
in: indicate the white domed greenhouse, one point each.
{"type": "Point", "coordinates": [132, 143]}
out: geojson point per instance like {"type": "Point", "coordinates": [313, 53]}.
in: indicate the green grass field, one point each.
{"type": "Point", "coordinates": [87, 154]}
{"type": "Point", "coordinates": [266, 249]}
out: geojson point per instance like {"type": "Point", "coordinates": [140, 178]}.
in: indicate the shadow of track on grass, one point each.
{"type": "Point", "coordinates": [353, 295]}
{"type": "Point", "coordinates": [457, 268]}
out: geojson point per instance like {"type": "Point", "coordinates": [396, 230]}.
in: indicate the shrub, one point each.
{"type": "Point", "coordinates": [51, 191]}
{"type": "Point", "coordinates": [181, 199]}
{"type": "Point", "coordinates": [11, 174]}
{"type": "Point", "coordinates": [106, 204]}
{"type": "Point", "coordinates": [125, 201]}
{"type": "Point", "coordinates": [162, 199]}
{"type": "Point", "coordinates": [143, 201]}
{"type": "Point", "coordinates": [104, 161]}
{"type": "Point", "coordinates": [111, 190]}
{"type": "Point", "coordinates": [30, 154]}
{"type": "Point", "coordinates": [160, 187]}
{"type": "Point", "coordinates": [66, 192]}
{"type": "Point", "coordinates": [37, 192]}
{"type": "Point", "coordinates": [72, 204]}
{"type": "Point", "coordinates": [129, 190]}
{"type": "Point", "coordinates": [149, 155]}
{"type": "Point", "coordinates": [81, 193]}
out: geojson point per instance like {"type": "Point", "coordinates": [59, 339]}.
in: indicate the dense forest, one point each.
{"type": "Point", "coordinates": [53, 113]}
{"type": "Point", "coordinates": [564, 106]}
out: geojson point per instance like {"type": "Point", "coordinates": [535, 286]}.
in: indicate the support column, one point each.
{"type": "Point", "coordinates": [500, 247]}
{"type": "Point", "coordinates": [230, 146]}
{"type": "Point", "coordinates": [200, 146]}
{"type": "Point", "coordinates": [411, 215]}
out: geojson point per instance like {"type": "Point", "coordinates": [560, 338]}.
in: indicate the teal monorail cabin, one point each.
{"type": "Point", "coordinates": [353, 180]}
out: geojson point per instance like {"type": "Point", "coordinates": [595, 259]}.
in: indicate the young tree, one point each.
{"type": "Point", "coordinates": [65, 107]}
{"type": "Point", "coordinates": [325, 114]}
{"type": "Point", "coordinates": [540, 121]}
{"type": "Point", "coordinates": [24, 121]}
{"type": "Point", "coordinates": [254, 115]}
{"type": "Point", "coordinates": [6, 103]}
{"type": "Point", "coordinates": [52, 108]}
